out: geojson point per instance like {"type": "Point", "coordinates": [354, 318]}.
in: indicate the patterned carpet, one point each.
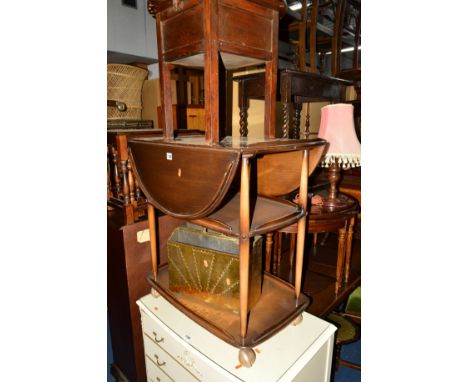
{"type": "Point", "coordinates": [351, 353]}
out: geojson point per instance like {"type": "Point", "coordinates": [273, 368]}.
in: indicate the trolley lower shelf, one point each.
{"type": "Point", "coordinates": [276, 309]}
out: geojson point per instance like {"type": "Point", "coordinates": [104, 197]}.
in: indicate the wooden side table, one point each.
{"type": "Point", "coordinates": [322, 219]}
{"type": "Point", "coordinates": [298, 87]}
{"type": "Point", "coordinates": [216, 35]}
{"type": "Point", "coordinates": [251, 86]}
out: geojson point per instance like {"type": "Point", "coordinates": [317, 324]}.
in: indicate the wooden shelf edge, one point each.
{"type": "Point", "coordinates": [274, 285]}
{"type": "Point", "coordinates": [216, 222]}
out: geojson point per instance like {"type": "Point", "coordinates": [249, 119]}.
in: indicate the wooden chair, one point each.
{"type": "Point", "coordinates": [305, 85]}
{"type": "Point", "coordinates": [346, 16]}
{"type": "Point", "coordinates": [319, 41]}
{"type": "Point", "coordinates": [123, 191]}
{"type": "Point", "coordinates": [316, 39]}
{"type": "Point", "coordinates": [347, 34]}
{"type": "Point", "coordinates": [347, 322]}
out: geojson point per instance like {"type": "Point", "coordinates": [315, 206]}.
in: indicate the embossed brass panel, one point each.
{"type": "Point", "coordinates": [206, 264]}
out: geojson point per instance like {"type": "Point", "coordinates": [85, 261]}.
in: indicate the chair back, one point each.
{"type": "Point", "coordinates": [317, 38]}
{"type": "Point", "coordinates": [346, 34]}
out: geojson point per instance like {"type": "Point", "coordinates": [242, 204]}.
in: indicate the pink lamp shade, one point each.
{"type": "Point", "coordinates": [337, 127]}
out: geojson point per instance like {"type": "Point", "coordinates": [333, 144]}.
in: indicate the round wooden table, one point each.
{"type": "Point", "coordinates": [321, 219]}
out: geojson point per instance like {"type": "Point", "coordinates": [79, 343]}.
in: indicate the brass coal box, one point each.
{"type": "Point", "coordinates": [205, 264]}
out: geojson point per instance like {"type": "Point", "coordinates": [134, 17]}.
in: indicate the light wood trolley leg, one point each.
{"type": "Point", "coordinates": [244, 243]}
{"type": "Point", "coordinates": [301, 225]}
{"type": "Point", "coordinates": [153, 245]}
{"type": "Point", "coordinates": [153, 240]}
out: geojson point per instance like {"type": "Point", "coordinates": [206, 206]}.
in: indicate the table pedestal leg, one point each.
{"type": "Point", "coordinates": [269, 245]}
{"type": "Point", "coordinates": [314, 248]}
{"type": "Point", "coordinates": [279, 247]}
{"type": "Point", "coordinates": [296, 131]}
{"type": "Point", "coordinates": [243, 123]}
{"type": "Point", "coordinates": [292, 247]}
{"type": "Point", "coordinates": [349, 243]}
{"type": "Point", "coordinates": [340, 259]}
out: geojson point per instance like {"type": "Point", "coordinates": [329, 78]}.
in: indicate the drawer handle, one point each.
{"type": "Point", "coordinates": [156, 338]}
{"type": "Point", "coordinates": [157, 361]}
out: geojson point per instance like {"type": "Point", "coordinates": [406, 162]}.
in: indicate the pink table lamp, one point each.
{"type": "Point", "coordinates": [344, 151]}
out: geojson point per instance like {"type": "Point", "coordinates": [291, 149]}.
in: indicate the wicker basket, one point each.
{"type": "Point", "coordinates": [124, 84]}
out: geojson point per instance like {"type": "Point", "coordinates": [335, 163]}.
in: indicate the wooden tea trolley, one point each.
{"type": "Point", "coordinates": [192, 180]}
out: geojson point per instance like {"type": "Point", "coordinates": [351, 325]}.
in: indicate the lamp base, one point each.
{"type": "Point", "coordinates": [336, 203]}
{"type": "Point", "coordinates": [332, 201]}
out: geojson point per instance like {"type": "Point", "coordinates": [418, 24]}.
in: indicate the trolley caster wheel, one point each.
{"type": "Point", "coordinates": [155, 293]}
{"type": "Point", "coordinates": [297, 320]}
{"type": "Point", "coordinates": [246, 357]}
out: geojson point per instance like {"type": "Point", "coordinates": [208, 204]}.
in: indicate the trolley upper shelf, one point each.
{"type": "Point", "coordinates": [189, 179]}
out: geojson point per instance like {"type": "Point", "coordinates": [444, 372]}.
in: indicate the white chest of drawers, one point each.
{"type": "Point", "coordinates": [178, 349]}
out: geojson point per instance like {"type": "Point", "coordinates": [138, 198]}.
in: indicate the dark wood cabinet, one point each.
{"type": "Point", "coordinates": [128, 263]}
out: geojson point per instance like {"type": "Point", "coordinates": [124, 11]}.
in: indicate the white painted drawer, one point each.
{"type": "Point", "coordinates": [154, 373]}
{"type": "Point", "coordinates": [166, 362]}
{"type": "Point", "coordinates": [157, 334]}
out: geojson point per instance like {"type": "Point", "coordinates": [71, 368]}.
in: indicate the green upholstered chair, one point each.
{"type": "Point", "coordinates": [353, 305]}
{"type": "Point", "coordinates": [346, 322]}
